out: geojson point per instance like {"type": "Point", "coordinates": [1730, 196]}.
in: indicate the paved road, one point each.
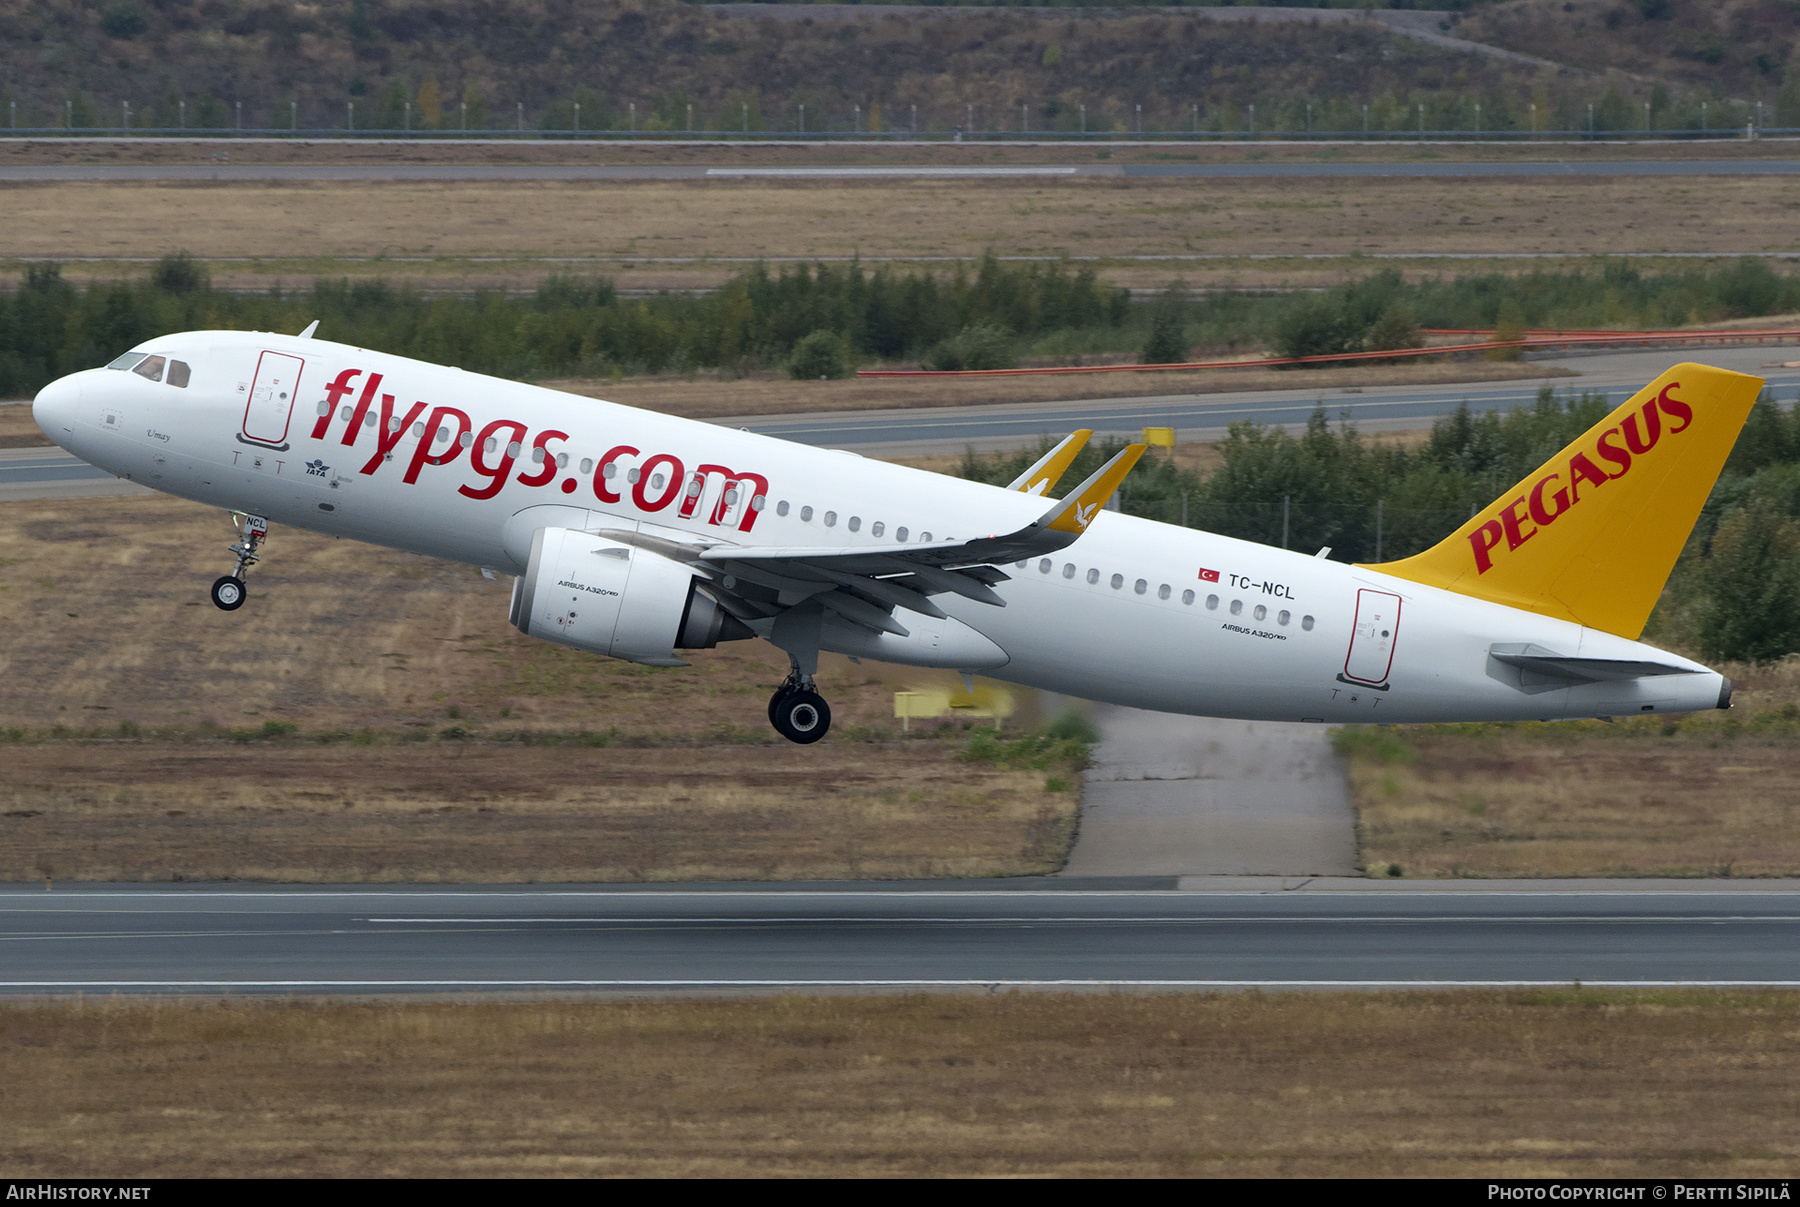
{"type": "Point", "coordinates": [623, 172]}
{"type": "Point", "coordinates": [1198, 417]}
{"type": "Point", "coordinates": [175, 939]}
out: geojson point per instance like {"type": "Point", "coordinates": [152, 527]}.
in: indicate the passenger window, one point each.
{"type": "Point", "coordinates": [1140, 586]}
{"type": "Point", "coordinates": [1283, 617]}
{"type": "Point", "coordinates": [1093, 577]}
{"type": "Point", "coordinates": [781, 508]}
{"type": "Point", "coordinates": [1044, 566]}
{"type": "Point", "coordinates": [877, 528]}
{"type": "Point", "coordinates": [152, 368]}
{"type": "Point", "coordinates": [1261, 612]}
{"type": "Point", "coordinates": [900, 534]}
{"type": "Point", "coordinates": [830, 519]}
{"type": "Point", "coordinates": [806, 515]}
{"type": "Point", "coordinates": [1118, 580]}
{"type": "Point", "coordinates": [1212, 603]}
{"type": "Point", "coordinates": [1306, 622]}
{"type": "Point", "coordinates": [1069, 570]}
{"type": "Point", "coordinates": [855, 523]}
{"type": "Point", "coordinates": [1187, 597]}
{"type": "Point", "coordinates": [178, 373]}
{"type": "Point", "coordinates": [1162, 592]}
{"type": "Point", "coordinates": [1237, 607]}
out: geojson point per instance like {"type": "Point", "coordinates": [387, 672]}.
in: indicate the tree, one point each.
{"type": "Point", "coordinates": [1751, 611]}
{"type": "Point", "coordinates": [1318, 326]}
{"type": "Point", "coordinates": [1168, 339]}
{"type": "Point", "coordinates": [975, 347]}
{"type": "Point", "coordinates": [1509, 324]}
{"type": "Point", "coordinates": [390, 110]}
{"type": "Point", "coordinates": [1398, 327]}
{"type": "Point", "coordinates": [475, 106]}
{"type": "Point", "coordinates": [123, 19]}
{"type": "Point", "coordinates": [819, 356]}
{"type": "Point", "coordinates": [431, 104]}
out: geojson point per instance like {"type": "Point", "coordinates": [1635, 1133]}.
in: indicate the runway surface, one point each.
{"type": "Point", "coordinates": [1202, 417]}
{"type": "Point", "coordinates": [623, 172]}
{"type": "Point", "coordinates": [179, 939]}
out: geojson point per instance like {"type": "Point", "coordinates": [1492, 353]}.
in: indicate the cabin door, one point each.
{"type": "Point", "coordinates": [271, 402]}
{"type": "Point", "coordinates": [1372, 642]}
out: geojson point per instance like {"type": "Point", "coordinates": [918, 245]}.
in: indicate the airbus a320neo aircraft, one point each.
{"type": "Point", "coordinates": [637, 535]}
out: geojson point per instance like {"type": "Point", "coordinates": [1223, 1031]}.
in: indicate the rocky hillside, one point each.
{"type": "Point", "coordinates": [644, 63]}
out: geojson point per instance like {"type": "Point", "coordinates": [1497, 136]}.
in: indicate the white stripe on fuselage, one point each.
{"type": "Point", "coordinates": [1061, 631]}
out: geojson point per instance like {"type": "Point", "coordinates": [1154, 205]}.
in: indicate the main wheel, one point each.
{"type": "Point", "coordinates": [229, 593]}
{"type": "Point", "coordinates": [800, 716]}
{"type": "Point", "coordinates": [781, 693]}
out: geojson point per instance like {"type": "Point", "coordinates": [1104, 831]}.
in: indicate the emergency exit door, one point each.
{"type": "Point", "coordinates": [271, 403]}
{"type": "Point", "coordinates": [1372, 641]}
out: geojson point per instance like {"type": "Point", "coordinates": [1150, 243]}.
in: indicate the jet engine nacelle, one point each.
{"type": "Point", "coordinates": [594, 594]}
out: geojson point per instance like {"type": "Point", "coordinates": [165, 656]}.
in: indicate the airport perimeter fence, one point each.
{"type": "Point", "coordinates": [1749, 132]}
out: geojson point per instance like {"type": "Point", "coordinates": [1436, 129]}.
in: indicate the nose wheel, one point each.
{"type": "Point", "coordinates": [230, 592]}
{"type": "Point", "coordinates": [798, 712]}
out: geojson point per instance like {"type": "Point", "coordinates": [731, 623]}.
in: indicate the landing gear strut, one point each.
{"type": "Point", "coordinates": [797, 711]}
{"type": "Point", "coordinates": [229, 592]}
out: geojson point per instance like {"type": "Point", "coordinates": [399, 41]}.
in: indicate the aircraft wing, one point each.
{"type": "Point", "coordinates": [865, 584]}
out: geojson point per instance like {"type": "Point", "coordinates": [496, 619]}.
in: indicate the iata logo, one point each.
{"type": "Point", "coordinates": [1555, 493]}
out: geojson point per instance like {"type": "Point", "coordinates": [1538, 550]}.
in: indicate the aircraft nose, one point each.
{"type": "Point", "coordinates": [55, 407]}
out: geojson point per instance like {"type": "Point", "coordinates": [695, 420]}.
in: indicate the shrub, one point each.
{"type": "Point", "coordinates": [123, 19]}
{"type": "Point", "coordinates": [974, 347]}
{"type": "Point", "coordinates": [1398, 327]}
{"type": "Point", "coordinates": [819, 356]}
{"type": "Point", "coordinates": [1318, 327]}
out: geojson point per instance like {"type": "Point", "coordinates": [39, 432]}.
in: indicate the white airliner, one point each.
{"type": "Point", "coordinates": [638, 535]}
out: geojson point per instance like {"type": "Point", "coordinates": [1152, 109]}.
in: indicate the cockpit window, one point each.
{"type": "Point", "coordinates": [127, 361]}
{"type": "Point", "coordinates": [178, 373]}
{"type": "Point", "coordinates": [152, 368]}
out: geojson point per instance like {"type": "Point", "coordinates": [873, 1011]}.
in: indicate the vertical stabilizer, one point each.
{"type": "Point", "coordinates": [1593, 533]}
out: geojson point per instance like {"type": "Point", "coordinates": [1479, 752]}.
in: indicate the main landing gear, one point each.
{"type": "Point", "coordinates": [229, 592]}
{"type": "Point", "coordinates": [797, 711]}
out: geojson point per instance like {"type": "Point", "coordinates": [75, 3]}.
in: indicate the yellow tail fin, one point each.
{"type": "Point", "coordinates": [1592, 535]}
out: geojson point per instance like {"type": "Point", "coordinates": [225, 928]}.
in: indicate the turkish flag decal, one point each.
{"type": "Point", "coordinates": [1209, 576]}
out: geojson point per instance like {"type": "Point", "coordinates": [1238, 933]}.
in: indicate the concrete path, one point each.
{"type": "Point", "coordinates": [1194, 796]}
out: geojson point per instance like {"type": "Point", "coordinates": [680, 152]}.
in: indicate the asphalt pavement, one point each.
{"type": "Point", "coordinates": [226, 171]}
{"type": "Point", "coordinates": [876, 937]}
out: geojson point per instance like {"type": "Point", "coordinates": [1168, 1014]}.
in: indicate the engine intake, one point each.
{"type": "Point", "coordinates": [594, 594]}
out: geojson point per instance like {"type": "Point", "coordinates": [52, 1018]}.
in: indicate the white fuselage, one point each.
{"type": "Point", "coordinates": [1134, 612]}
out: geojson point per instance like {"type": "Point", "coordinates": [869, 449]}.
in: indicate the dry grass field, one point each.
{"type": "Point", "coordinates": [457, 811]}
{"type": "Point", "coordinates": [109, 623]}
{"type": "Point", "coordinates": [1104, 217]}
{"type": "Point", "coordinates": [371, 716]}
{"type": "Point", "coordinates": [1712, 794]}
{"type": "Point", "coordinates": [1557, 1084]}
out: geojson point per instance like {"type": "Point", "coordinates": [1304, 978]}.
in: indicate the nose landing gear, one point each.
{"type": "Point", "coordinates": [797, 711]}
{"type": "Point", "coordinates": [229, 592]}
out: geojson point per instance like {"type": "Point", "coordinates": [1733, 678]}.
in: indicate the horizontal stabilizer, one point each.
{"type": "Point", "coordinates": [1537, 659]}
